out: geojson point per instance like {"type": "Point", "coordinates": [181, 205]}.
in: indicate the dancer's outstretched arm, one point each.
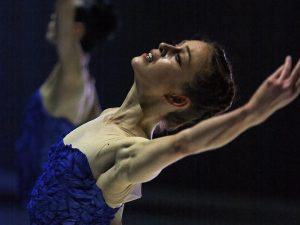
{"type": "Point", "coordinates": [143, 160]}
{"type": "Point", "coordinates": [68, 46]}
{"type": "Point", "coordinates": [67, 92]}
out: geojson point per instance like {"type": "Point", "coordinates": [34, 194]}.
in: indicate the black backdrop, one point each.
{"type": "Point", "coordinates": [264, 161]}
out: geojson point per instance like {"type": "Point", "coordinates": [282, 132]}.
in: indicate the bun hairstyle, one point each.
{"type": "Point", "coordinates": [99, 19]}
{"type": "Point", "coordinates": [211, 92]}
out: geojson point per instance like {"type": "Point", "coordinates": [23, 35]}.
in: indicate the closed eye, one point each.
{"type": "Point", "coordinates": [178, 58]}
{"type": "Point", "coordinates": [163, 52]}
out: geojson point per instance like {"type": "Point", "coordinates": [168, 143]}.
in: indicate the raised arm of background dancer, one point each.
{"type": "Point", "coordinates": [68, 47]}
{"type": "Point", "coordinates": [141, 162]}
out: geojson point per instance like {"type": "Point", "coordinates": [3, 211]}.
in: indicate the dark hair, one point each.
{"type": "Point", "coordinates": [99, 19]}
{"type": "Point", "coordinates": [211, 92]}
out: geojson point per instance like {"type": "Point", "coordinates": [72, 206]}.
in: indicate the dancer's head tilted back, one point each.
{"type": "Point", "coordinates": [185, 83]}
{"type": "Point", "coordinates": [94, 21]}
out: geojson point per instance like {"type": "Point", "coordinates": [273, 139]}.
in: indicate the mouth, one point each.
{"type": "Point", "coordinates": [148, 57]}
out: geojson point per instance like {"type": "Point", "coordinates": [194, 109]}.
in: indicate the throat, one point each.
{"type": "Point", "coordinates": [131, 118]}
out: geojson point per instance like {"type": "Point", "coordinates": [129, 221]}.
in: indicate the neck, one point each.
{"type": "Point", "coordinates": [84, 59]}
{"type": "Point", "coordinates": [84, 65]}
{"type": "Point", "coordinates": [132, 117]}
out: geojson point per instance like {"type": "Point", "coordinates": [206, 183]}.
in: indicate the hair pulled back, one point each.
{"type": "Point", "coordinates": [211, 92]}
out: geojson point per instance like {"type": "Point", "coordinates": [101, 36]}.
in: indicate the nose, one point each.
{"type": "Point", "coordinates": [167, 47]}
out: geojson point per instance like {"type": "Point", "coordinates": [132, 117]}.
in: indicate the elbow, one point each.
{"type": "Point", "coordinates": [182, 145]}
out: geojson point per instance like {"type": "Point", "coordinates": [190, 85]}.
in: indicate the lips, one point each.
{"type": "Point", "coordinates": [149, 57]}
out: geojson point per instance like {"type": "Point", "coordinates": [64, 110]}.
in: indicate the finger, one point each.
{"type": "Point", "coordinates": [295, 76]}
{"type": "Point", "coordinates": [287, 68]}
{"type": "Point", "coordinates": [277, 73]}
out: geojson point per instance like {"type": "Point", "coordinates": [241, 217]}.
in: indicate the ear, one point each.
{"type": "Point", "coordinates": [79, 30]}
{"type": "Point", "coordinates": [179, 101]}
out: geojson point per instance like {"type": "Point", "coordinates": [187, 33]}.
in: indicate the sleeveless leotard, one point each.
{"type": "Point", "coordinates": [66, 192]}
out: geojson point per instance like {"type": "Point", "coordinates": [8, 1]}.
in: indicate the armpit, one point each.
{"type": "Point", "coordinates": [131, 193]}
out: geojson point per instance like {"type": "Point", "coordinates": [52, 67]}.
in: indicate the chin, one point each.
{"type": "Point", "coordinates": [137, 64]}
{"type": "Point", "coordinates": [136, 61]}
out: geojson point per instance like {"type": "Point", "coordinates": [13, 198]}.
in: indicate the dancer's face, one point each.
{"type": "Point", "coordinates": [170, 66]}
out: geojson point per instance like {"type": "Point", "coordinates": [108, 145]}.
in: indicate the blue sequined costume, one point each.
{"type": "Point", "coordinates": [66, 192]}
{"type": "Point", "coordinates": [40, 130]}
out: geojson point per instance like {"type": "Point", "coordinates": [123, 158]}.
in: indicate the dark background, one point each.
{"type": "Point", "coordinates": [262, 165]}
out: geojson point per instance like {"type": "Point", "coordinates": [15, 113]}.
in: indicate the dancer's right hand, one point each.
{"type": "Point", "coordinates": [277, 91]}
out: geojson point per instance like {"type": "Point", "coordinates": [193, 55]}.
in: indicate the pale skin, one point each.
{"type": "Point", "coordinates": [69, 91]}
{"type": "Point", "coordinates": [132, 158]}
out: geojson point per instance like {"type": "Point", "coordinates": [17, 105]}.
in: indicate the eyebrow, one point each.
{"type": "Point", "coordinates": [187, 49]}
{"type": "Point", "coordinates": [181, 43]}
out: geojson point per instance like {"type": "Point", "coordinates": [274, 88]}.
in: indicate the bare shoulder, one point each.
{"type": "Point", "coordinates": [100, 140]}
